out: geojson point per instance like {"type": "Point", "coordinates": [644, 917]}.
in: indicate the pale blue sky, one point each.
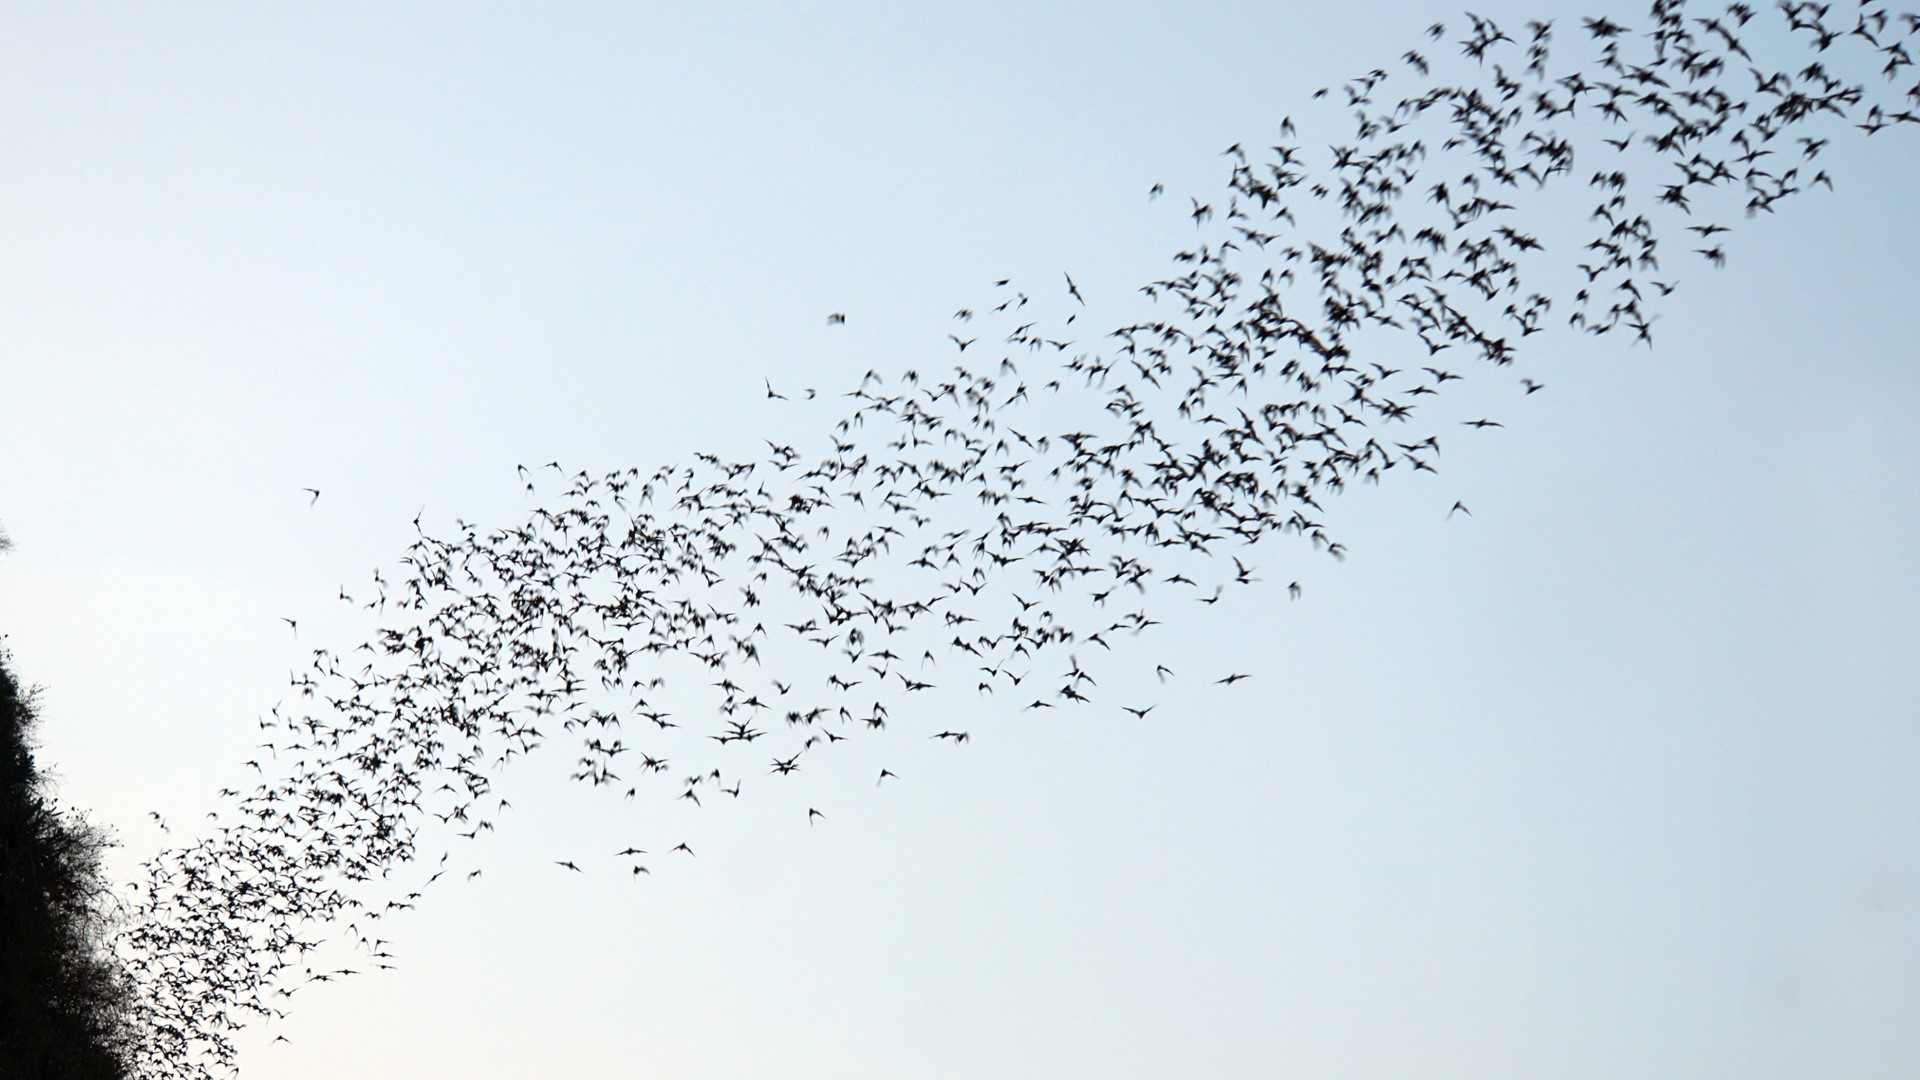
{"type": "Point", "coordinates": [1612, 778]}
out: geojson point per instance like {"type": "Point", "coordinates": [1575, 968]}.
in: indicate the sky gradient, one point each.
{"type": "Point", "coordinates": [1611, 777]}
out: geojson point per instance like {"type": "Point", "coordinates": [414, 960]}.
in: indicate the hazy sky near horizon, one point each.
{"type": "Point", "coordinates": [1612, 777]}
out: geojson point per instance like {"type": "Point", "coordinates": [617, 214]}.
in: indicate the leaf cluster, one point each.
{"type": "Point", "coordinates": [65, 1000]}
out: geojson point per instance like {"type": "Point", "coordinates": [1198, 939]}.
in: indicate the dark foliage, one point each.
{"type": "Point", "coordinates": [63, 997]}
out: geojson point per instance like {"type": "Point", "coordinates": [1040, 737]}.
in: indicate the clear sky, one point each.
{"type": "Point", "coordinates": [1611, 777]}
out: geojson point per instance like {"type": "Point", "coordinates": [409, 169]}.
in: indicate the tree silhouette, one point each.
{"type": "Point", "coordinates": [64, 998]}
